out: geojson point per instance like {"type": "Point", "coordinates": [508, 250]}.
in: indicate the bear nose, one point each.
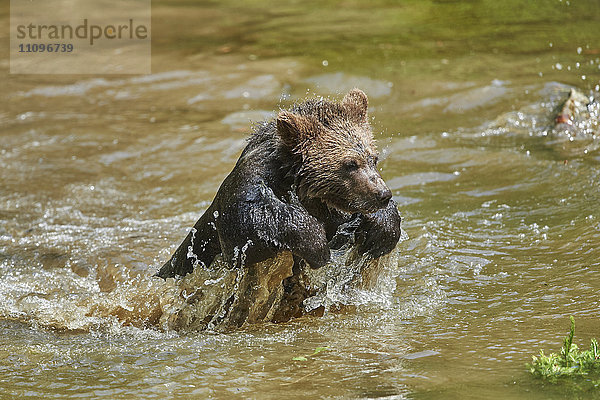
{"type": "Point", "coordinates": [384, 195]}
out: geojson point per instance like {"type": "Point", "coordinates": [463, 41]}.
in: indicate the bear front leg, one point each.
{"type": "Point", "coordinates": [306, 238]}
{"type": "Point", "coordinates": [260, 225]}
{"type": "Point", "coordinates": [379, 232]}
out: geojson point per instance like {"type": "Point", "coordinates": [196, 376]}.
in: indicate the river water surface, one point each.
{"type": "Point", "coordinates": [102, 176]}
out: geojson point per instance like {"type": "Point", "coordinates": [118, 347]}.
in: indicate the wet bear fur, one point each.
{"type": "Point", "coordinates": [307, 182]}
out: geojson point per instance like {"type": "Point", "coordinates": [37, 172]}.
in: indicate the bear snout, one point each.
{"type": "Point", "coordinates": [382, 192]}
{"type": "Point", "coordinates": [376, 194]}
{"type": "Point", "coordinates": [384, 196]}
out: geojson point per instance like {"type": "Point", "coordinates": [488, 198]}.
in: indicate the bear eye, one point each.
{"type": "Point", "coordinates": [350, 165]}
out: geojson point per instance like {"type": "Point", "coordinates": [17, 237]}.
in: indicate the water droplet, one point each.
{"type": "Point", "coordinates": [579, 50]}
{"type": "Point", "coordinates": [325, 63]}
{"type": "Point", "coordinates": [583, 77]}
{"type": "Point", "coordinates": [558, 66]}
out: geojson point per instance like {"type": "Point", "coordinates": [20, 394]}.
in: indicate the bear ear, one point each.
{"type": "Point", "coordinates": [294, 130]}
{"type": "Point", "coordinates": [356, 103]}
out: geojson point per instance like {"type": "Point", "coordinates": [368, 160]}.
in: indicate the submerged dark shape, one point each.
{"type": "Point", "coordinates": [306, 183]}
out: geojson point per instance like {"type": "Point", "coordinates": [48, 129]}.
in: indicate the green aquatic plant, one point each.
{"type": "Point", "coordinates": [571, 362]}
{"type": "Point", "coordinates": [305, 358]}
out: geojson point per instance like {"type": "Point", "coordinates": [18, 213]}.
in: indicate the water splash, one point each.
{"type": "Point", "coordinates": [351, 279]}
{"type": "Point", "coordinates": [215, 298]}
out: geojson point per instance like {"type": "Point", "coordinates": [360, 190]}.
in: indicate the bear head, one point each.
{"type": "Point", "coordinates": [337, 153]}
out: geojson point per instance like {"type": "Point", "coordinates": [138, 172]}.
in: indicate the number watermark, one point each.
{"type": "Point", "coordinates": [50, 47]}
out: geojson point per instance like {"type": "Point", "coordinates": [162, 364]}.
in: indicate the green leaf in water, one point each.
{"type": "Point", "coordinates": [317, 351]}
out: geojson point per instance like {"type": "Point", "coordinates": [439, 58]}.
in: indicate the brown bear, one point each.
{"type": "Point", "coordinates": [306, 183]}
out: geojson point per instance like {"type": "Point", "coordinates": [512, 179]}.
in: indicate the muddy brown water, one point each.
{"type": "Point", "coordinates": [101, 176]}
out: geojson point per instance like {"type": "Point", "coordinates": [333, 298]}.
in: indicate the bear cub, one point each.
{"type": "Point", "coordinates": [307, 182]}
